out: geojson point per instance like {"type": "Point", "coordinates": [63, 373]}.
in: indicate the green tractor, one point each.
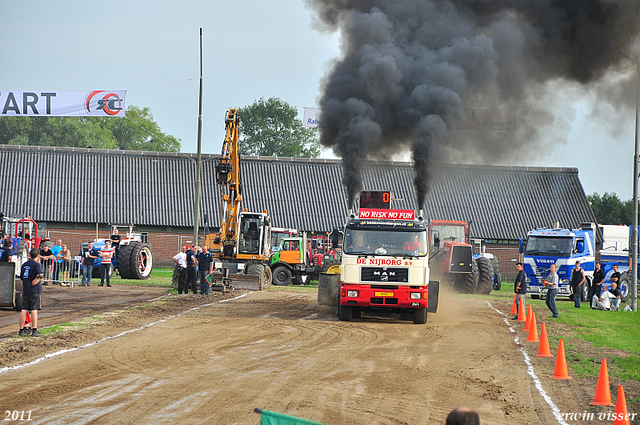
{"type": "Point", "coordinates": [289, 262]}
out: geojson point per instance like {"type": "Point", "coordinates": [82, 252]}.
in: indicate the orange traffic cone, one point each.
{"type": "Point", "coordinates": [527, 324]}
{"type": "Point", "coordinates": [603, 393]}
{"type": "Point", "coordinates": [621, 415]}
{"type": "Point", "coordinates": [514, 308]}
{"type": "Point", "coordinates": [543, 348]}
{"type": "Point", "coordinates": [561, 372]}
{"type": "Point", "coordinates": [521, 315]}
{"type": "Point", "coordinates": [533, 329]}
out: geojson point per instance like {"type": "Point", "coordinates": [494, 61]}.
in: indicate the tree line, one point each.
{"type": "Point", "coordinates": [610, 209]}
{"type": "Point", "coordinates": [267, 128]}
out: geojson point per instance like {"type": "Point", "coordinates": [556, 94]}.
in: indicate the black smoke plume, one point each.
{"type": "Point", "coordinates": [410, 68]}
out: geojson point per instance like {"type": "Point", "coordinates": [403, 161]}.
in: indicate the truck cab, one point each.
{"type": "Point", "coordinates": [385, 266]}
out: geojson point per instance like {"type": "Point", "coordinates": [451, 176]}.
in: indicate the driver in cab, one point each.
{"type": "Point", "coordinates": [359, 244]}
{"type": "Point", "coordinates": [413, 244]}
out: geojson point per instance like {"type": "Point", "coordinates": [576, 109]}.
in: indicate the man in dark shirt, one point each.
{"type": "Point", "coordinates": [47, 258]}
{"type": "Point", "coordinates": [520, 288]}
{"type": "Point", "coordinates": [577, 279]}
{"type": "Point", "coordinates": [30, 274]}
{"type": "Point", "coordinates": [90, 255]}
{"type": "Point", "coordinates": [204, 260]}
{"type": "Point", "coordinates": [615, 276]}
{"type": "Point", "coordinates": [6, 251]}
{"type": "Point", "coordinates": [191, 270]}
{"type": "Point", "coordinates": [596, 288]}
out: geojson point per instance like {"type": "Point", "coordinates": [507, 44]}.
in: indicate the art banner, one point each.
{"type": "Point", "coordinates": [95, 103]}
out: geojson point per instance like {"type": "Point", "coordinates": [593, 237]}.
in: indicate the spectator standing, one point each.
{"type": "Point", "coordinates": [520, 288]}
{"type": "Point", "coordinates": [57, 263]}
{"type": "Point", "coordinates": [115, 243]}
{"type": "Point", "coordinates": [6, 251]}
{"type": "Point", "coordinates": [552, 290]}
{"type": "Point", "coordinates": [577, 279]}
{"type": "Point", "coordinates": [90, 255]}
{"type": "Point", "coordinates": [31, 274]}
{"type": "Point", "coordinates": [191, 270]}
{"type": "Point", "coordinates": [181, 260]}
{"type": "Point", "coordinates": [65, 257]}
{"type": "Point", "coordinates": [204, 260]}
{"type": "Point", "coordinates": [106, 254]}
{"type": "Point", "coordinates": [615, 276]}
{"type": "Point", "coordinates": [596, 287]}
{"type": "Point", "coordinates": [46, 258]}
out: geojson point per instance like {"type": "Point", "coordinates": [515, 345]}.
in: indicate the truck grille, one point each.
{"type": "Point", "coordinates": [384, 274]}
{"type": "Point", "coordinates": [384, 300]}
{"type": "Point", "coordinates": [461, 259]}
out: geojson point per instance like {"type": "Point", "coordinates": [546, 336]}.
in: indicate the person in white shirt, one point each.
{"type": "Point", "coordinates": [181, 260]}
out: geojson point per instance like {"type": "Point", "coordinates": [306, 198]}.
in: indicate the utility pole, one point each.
{"type": "Point", "coordinates": [634, 233]}
{"type": "Point", "coordinates": [196, 206]}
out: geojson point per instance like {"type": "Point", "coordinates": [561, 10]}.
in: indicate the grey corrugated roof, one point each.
{"type": "Point", "coordinates": [78, 185]}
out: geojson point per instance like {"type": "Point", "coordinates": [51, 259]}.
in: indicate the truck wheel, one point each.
{"type": "Point", "coordinates": [124, 260]}
{"type": "Point", "coordinates": [300, 279]}
{"type": "Point", "coordinates": [485, 276]}
{"type": "Point", "coordinates": [420, 316]}
{"type": "Point", "coordinates": [345, 313]}
{"type": "Point", "coordinates": [356, 313]}
{"type": "Point", "coordinates": [268, 276]}
{"type": "Point", "coordinates": [497, 281]}
{"type": "Point", "coordinates": [584, 296]}
{"type": "Point", "coordinates": [281, 276]}
{"type": "Point", "coordinates": [140, 261]}
{"type": "Point", "coordinates": [625, 284]}
{"type": "Point", "coordinates": [256, 269]}
{"type": "Point", "coordinates": [18, 301]}
{"type": "Point", "coordinates": [468, 283]}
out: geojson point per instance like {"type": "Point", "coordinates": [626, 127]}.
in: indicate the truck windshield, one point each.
{"type": "Point", "coordinates": [385, 242]}
{"type": "Point", "coordinates": [450, 232]}
{"type": "Point", "coordinates": [549, 246]}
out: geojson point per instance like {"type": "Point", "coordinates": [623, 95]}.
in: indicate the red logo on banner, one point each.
{"type": "Point", "coordinates": [377, 214]}
{"type": "Point", "coordinates": [110, 103]}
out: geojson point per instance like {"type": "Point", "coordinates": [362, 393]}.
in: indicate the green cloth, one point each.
{"type": "Point", "coordinates": [273, 418]}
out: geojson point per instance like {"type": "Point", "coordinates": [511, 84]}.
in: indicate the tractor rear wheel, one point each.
{"type": "Point", "coordinates": [140, 261]}
{"type": "Point", "coordinates": [124, 260]}
{"type": "Point", "coordinates": [468, 283]}
{"type": "Point", "coordinates": [281, 276]}
{"type": "Point", "coordinates": [485, 276]}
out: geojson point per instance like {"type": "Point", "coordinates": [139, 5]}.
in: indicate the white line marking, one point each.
{"type": "Point", "coordinates": [69, 350]}
{"type": "Point", "coordinates": [530, 371]}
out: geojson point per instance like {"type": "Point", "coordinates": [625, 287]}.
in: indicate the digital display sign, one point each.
{"type": "Point", "coordinates": [380, 199]}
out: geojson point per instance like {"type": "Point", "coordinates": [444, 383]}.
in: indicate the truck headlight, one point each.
{"type": "Point", "coordinates": [416, 295]}
{"type": "Point", "coordinates": [352, 294]}
{"type": "Point", "coordinates": [564, 281]}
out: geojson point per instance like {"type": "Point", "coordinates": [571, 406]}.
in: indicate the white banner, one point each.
{"type": "Point", "coordinates": [311, 117]}
{"type": "Point", "coordinates": [488, 119]}
{"type": "Point", "coordinates": [96, 103]}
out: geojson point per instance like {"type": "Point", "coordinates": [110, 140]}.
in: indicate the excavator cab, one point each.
{"type": "Point", "coordinates": [254, 236]}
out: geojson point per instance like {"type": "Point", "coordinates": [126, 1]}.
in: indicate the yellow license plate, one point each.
{"type": "Point", "coordinates": [384, 294]}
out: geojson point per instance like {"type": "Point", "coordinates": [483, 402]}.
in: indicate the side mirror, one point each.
{"type": "Point", "coordinates": [580, 246]}
{"type": "Point", "coordinates": [436, 238]}
{"type": "Point", "coordinates": [521, 246]}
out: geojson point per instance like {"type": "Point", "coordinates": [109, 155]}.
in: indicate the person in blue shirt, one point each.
{"type": "Point", "coordinates": [6, 251]}
{"type": "Point", "coordinates": [204, 261]}
{"type": "Point", "coordinates": [31, 274]}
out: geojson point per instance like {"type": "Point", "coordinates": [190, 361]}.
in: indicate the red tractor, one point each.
{"type": "Point", "coordinates": [321, 254]}
{"type": "Point", "coordinates": [453, 260]}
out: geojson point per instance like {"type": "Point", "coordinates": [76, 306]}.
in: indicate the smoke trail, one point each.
{"type": "Point", "coordinates": [409, 68]}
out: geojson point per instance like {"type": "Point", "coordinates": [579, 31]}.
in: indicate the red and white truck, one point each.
{"type": "Point", "coordinates": [385, 266]}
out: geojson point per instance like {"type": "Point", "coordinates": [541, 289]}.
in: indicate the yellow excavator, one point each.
{"type": "Point", "coordinates": [242, 249]}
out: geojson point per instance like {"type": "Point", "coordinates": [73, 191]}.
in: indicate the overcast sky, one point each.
{"type": "Point", "coordinates": [252, 49]}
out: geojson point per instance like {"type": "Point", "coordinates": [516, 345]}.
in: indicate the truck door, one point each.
{"type": "Point", "coordinates": [291, 252]}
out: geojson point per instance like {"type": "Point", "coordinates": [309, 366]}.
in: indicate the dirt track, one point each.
{"type": "Point", "coordinates": [279, 350]}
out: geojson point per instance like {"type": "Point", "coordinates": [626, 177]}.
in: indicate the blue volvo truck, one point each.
{"type": "Point", "coordinates": [563, 247]}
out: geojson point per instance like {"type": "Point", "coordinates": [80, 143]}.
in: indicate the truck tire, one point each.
{"type": "Point", "coordinates": [497, 281]}
{"type": "Point", "coordinates": [584, 296]}
{"type": "Point", "coordinates": [468, 283]}
{"type": "Point", "coordinates": [420, 316]}
{"type": "Point", "coordinates": [434, 296]}
{"type": "Point", "coordinates": [625, 284]}
{"type": "Point", "coordinates": [256, 269]}
{"type": "Point", "coordinates": [281, 276]}
{"type": "Point", "coordinates": [140, 261]}
{"type": "Point", "coordinates": [344, 313]}
{"type": "Point", "coordinates": [18, 306]}
{"type": "Point", "coordinates": [300, 279]}
{"type": "Point", "coordinates": [268, 276]}
{"type": "Point", "coordinates": [485, 276]}
{"type": "Point", "coordinates": [124, 260]}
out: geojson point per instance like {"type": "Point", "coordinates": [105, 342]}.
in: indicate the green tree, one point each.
{"type": "Point", "coordinates": [271, 128]}
{"type": "Point", "coordinates": [137, 131]}
{"type": "Point", "coordinates": [609, 209]}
